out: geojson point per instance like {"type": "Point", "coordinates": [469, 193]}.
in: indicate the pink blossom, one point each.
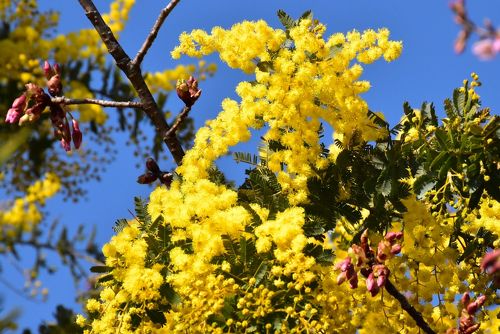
{"type": "Point", "coordinates": [491, 262]}
{"type": "Point", "coordinates": [484, 49]}
{"type": "Point", "coordinates": [16, 110]}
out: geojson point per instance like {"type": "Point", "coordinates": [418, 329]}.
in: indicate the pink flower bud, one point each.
{"type": "Point", "coordinates": [475, 305]}
{"type": "Point", "coordinates": [54, 85]}
{"type": "Point", "coordinates": [57, 68]}
{"type": "Point", "coordinates": [383, 250]}
{"type": "Point", "coordinates": [483, 49]}
{"type": "Point", "coordinates": [465, 299]}
{"type": "Point", "coordinates": [66, 133]}
{"type": "Point", "coordinates": [188, 91]}
{"type": "Point", "coordinates": [491, 262]}
{"type": "Point", "coordinates": [77, 134]}
{"type": "Point", "coordinates": [471, 329]}
{"type": "Point", "coordinates": [65, 144]}
{"type": "Point", "coordinates": [47, 70]}
{"type": "Point", "coordinates": [496, 44]}
{"type": "Point", "coordinates": [395, 249]}
{"type": "Point", "coordinates": [381, 280]}
{"type": "Point", "coordinates": [371, 285]}
{"type": "Point", "coordinates": [341, 278]}
{"type": "Point", "coordinates": [360, 254]}
{"type": "Point", "coordinates": [480, 300]}
{"type": "Point", "coordinates": [20, 102]}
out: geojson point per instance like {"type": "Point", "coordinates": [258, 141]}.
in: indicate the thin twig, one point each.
{"type": "Point", "coordinates": [54, 248]}
{"type": "Point", "coordinates": [405, 305]}
{"type": "Point", "coordinates": [133, 73]}
{"type": "Point", "coordinates": [180, 118]}
{"type": "Point", "coordinates": [103, 103]}
{"type": "Point", "coordinates": [154, 32]}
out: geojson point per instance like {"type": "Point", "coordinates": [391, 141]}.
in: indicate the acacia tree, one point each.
{"type": "Point", "coordinates": [406, 215]}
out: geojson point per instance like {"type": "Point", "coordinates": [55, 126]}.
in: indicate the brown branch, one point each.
{"type": "Point", "coordinates": [154, 32]}
{"type": "Point", "coordinates": [180, 118]}
{"type": "Point", "coordinates": [133, 73]}
{"type": "Point", "coordinates": [405, 305]}
{"type": "Point", "coordinates": [103, 103]}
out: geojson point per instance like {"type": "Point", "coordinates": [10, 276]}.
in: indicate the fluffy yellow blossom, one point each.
{"type": "Point", "coordinates": [295, 90]}
{"type": "Point", "coordinates": [24, 213]}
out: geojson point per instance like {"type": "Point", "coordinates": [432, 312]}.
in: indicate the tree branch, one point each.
{"type": "Point", "coordinates": [103, 103]}
{"type": "Point", "coordinates": [154, 32]}
{"type": "Point", "coordinates": [180, 118]}
{"type": "Point", "coordinates": [405, 305]}
{"type": "Point", "coordinates": [133, 73]}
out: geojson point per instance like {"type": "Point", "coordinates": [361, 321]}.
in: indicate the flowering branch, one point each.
{"type": "Point", "coordinates": [489, 37]}
{"type": "Point", "coordinates": [103, 103]}
{"type": "Point", "coordinates": [133, 72]}
{"type": "Point", "coordinates": [154, 32]}
{"type": "Point", "coordinates": [371, 264]}
{"type": "Point", "coordinates": [405, 305]}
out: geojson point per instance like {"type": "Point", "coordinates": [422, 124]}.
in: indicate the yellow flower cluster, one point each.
{"type": "Point", "coordinates": [118, 14]}
{"type": "Point", "coordinates": [166, 80]}
{"type": "Point", "coordinates": [487, 217]}
{"type": "Point", "coordinates": [299, 83]}
{"type": "Point", "coordinates": [31, 40]}
{"type": "Point", "coordinates": [139, 284]}
{"type": "Point", "coordinates": [294, 91]}
{"type": "Point", "coordinates": [24, 213]}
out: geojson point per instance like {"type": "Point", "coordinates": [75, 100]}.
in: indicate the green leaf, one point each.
{"type": "Point", "coordinates": [105, 278]}
{"type": "Point", "coordinates": [100, 269]}
{"type": "Point", "coordinates": [260, 273]}
{"type": "Point", "coordinates": [265, 66]}
{"type": "Point", "coordinates": [438, 160]}
{"type": "Point", "coordinates": [141, 210]}
{"type": "Point", "coordinates": [286, 20]}
{"type": "Point", "coordinates": [156, 316]}
{"type": "Point", "coordinates": [120, 224]}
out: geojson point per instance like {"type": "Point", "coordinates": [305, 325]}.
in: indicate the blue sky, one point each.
{"type": "Point", "coordinates": [428, 70]}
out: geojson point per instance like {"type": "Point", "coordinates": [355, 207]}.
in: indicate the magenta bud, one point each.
{"type": "Point", "coordinates": [395, 249]}
{"type": "Point", "coordinates": [341, 278]}
{"type": "Point", "coordinates": [381, 280]}
{"type": "Point", "coordinates": [77, 134]}
{"type": "Point", "coordinates": [480, 300]}
{"type": "Point", "coordinates": [465, 298]}
{"type": "Point", "coordinates": [391, 236]}
{"type": "Point", "coordinates": [370, 282]}
{"type": "Point", "coordinates": [491, 262]}
{"type": "Point", "coordinates": [47, 70]}
{"type": "Point", "coordinates": [54, 85]}
{"type": "Point", "coordinates": [65, 144]}
{"type": "Point", "coordinates": [20, 102]}
{"type": "Point", "coordinates": [13, 116]}
{"type": "Point", "coordinates": [57, 68]}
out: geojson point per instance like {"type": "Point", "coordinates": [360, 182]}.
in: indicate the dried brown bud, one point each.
{"type": "Point", "coordinates": [146, 178]}
{"type": "Point", "coordinates": [152, 166]}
